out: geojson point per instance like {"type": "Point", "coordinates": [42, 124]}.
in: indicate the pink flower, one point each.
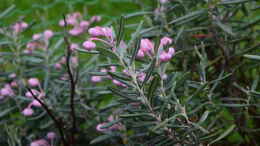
{"type": "Point", "coordinates": [33, 82]}
{"type": "Point", "coordinates": [163, 1]}
{"type": "Point", "coordinates": [96, 79]}
{"type": "Point", "coordinates": [140, 54]}
{"type": "Point", "coordinates": [74, 46]}
{"type": "Point", "coordinates": [27, 111]}
{"type": "Point", "coordinates": [141, 76]}
{"type": "Point", "coordinates": [57, 66]}
{"type": "Point", "coordinates": [165, 41]}
{"type": "Point", "coordinates": [95, 19]}
{"type": "Point", "coordinates": [7, 91]}
{"type": "Point", "coordinates": [51, 135]}
{"type": "Point", "coordinates": [166, 56]}
{"type": "Point", "coordinates": [99, 127]}
{"type": "Point", "coordinates": [146, 46]}
{"type": "Point", "coordinates": [61, 23]}
{"type": "Point", "coordinates": [14, 84]}
{"type": "Point", "coordinates": [103, 70]}
{"type": "Point", "coordinates": [36, 103]}
{"type": "Point", "coordinates": [112, 69]}
{"type": "Point", "coordinates": [47, 34]}
{"type": "Point", "coordinates": [118, 83]}
{"type": "Point", "coordinates": [96, 31]}
{"type": "Point", "coordinates": [36, 36]}
{"type": "Point", "coordinates": [29, 94]}
{"type": "Point", "coordinates": [40, 142]}
{"type": "Point", "coordinates": [89, 45]}
{"type": "Point", "coordinates": [12, 75]}
{"type": "Point", "coordinates": [19, 27]}
{"type": "Point", "coordinates": [76, 31]}
{"type": "Point", "coordinates": [84, 24]}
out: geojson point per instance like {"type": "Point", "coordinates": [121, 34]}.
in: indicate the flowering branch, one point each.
{"type": "Point", "coordinates": [58, 124]}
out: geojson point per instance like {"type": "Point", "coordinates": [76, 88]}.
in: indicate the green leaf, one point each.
{"type": "Point", "coordinates": [7, 11]}
{"type": "Point", "coordinates": [136, 49]}
{"type": "Point", "coordinates": [149, 71]}
{"type": "Point", "coordinates": [135, 115]}
{"type": "Point", "coordinates": [223, 135]}
{"type": "Point", "coordinates": [190, 16]}
{"type": "Point", "coordinates": [107, 52]}
{"type": "Point", "coordinates": [225, 28]}
{"type": "Point", "coordinates": [120, 34]}
{"type": "Point", "coordinates": [101, 138]}
{"type": "Point", "coordinates": [119, 76]}
{"type": "Point", "coordinates": [229, 2]}
{"type": "Point", "coordinates": [6, 111]}
{"type": "Point", "coordinates": [153, 87]}
{"type": "Point", "coordinates": [255, 57]}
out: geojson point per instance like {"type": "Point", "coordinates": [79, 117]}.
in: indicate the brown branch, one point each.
{"type": "Point", "coordinates": [50, 113]}
{"type": "Point", "coordinates": [72, 84]}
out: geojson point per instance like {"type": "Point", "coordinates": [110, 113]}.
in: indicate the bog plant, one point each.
{"type": "Point", "coordinates": [187, 75]}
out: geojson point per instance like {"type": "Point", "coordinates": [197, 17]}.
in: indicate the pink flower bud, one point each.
{"type": "Point", "coordinates": [89, 45]}
{"type": "Point", "coordinates": [7, 91]}
{"type": "Point", "coordinates": [33, 82]}
{"type": "Point", "coordinates": [165, 41]}
{"type": "Point", "coordinates": [141, 76]}
{"type": "Point", "coordinates": [146, 45]}
{"type": "Point", "coordinates": [24, 25]}
{"type": "Point", "coordinates": [14, 84]}
{"type": "Point", "coordinates": [96, 31]}
{"type": "Point", "coordinates": [47, 34]}
{"type": "Point", "coordinates": [74, 46]}
{"type": "Point", "coordinates": [95, 19]}
{"type": "Point", "coordinates": [27, 111]}
{"type": "Point", "coordinates": [96, 79]}
{"type": "Point", "coordinates": [98, 128]}
{"type": "Point", "coordinates": [166, 56]}
{"type": "Point", "coordinates": [13, 75]}
{"type": "Point", "coordinates": [163, 1]}
{"type": "Point", "coordinates": [51, 135]}
{"type": "Point", "coordinates": [118, 83]}
{"type": "Point", "coordinates": [36, 103]}
{"type": "Point", "coordinates": [112, 69]}
{"type": "Point", "coordinates": [36, 36]}
{"type": "Point", "coordinates": [103, 70]}
{"type": "Point", "coordinates": [76, 31]}
{"type": "Point", "coordinates": [40, 142]}
{"type": "Point", "coordinates": [140, 54]}
{"type": "Point", "coordinates": [57, 66]}
{"type": "Point", "coordinates": [29, 94]}
{"type": "Point", "coordinates": [61, 23]}
{"type": "Point", "coordinates": [84, 24]}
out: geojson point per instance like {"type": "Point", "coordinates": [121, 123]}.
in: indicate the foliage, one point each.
{"type": "Point", "coordinates": [168, 72]}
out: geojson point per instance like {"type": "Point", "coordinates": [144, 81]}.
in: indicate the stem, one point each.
{"type": "Point", "coordinates": [72, 86]}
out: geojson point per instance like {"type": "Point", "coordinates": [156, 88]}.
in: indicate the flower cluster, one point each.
{"type": "Point", "coordinates": [33, 82]}
{"type": "Point", "coordinates": [79, 25]}
{"type": "Point", "coordinates": [147, 49]}
{"type": "Point", "coordinates": [19, 27]}
{"type": "Point", "coordinates": [39, 40]}
{"type": "Point", "coordinates": [44, 142]}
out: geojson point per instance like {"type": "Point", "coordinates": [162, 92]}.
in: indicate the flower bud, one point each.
{"type": "Point", "coordinates": [89, 45]}
{"type": "Point", "coordinates": [47, 34]}
{"type": "Point", "coordinates": [96, 79]}
{"type": "Point", "coordinates": [51, 135]}
{"type": "Point", "coordinates": [27, 111]}
{"type": "Point", "coordinates": [33, 82]}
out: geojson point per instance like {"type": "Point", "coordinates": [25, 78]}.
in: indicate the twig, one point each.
{"type": "Point", "coordinates": [49, 112]}
{"type": "Point", "coordinates": [72, 84]}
